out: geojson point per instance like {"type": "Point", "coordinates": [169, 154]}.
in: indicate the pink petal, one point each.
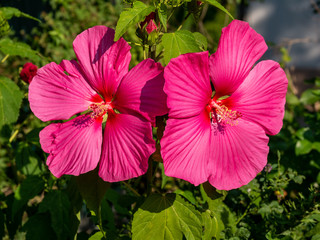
{"type": "Point", "coordinates": [261, 97]}
{"type": "Point", "coordinates": [239, 48]}
{"type": "Point", "coordinates": [74, 147]}
{"type": "Point", "coordinates": [55, 95]}
{"type": "Point", "coordinates": [185, 148]}
{"type": "Point", "coordinates": [127, 145]}
{"type": "Point", "coordinates": [187, 84]}
{"type": "Point", "coordinates": [239, 154]}
{"type": "Point", "coordinates": [103, 61]}
{"type": "Point", "coordinates": [142, 90]}
{"type": "Point", "coordinates": [151, 27]}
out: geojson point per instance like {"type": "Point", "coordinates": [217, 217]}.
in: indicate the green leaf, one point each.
{"type": "Point", "coordinates": [212, 225]}
{"type": "Point", "coordinates": [308, 97]}
{"type": "Point", "coordinates": [7, 46]}
{"type": "Point", "coordinates": [316, 92]}
{"type": "Point", "coordinates": [4, 25]}
{"type": "Point", "coordinates": [186, 194]}
{"type": "Point", "coordinates": [317, 82]}
{"type": "Point", "coordinates": [166, 217]}
{"type": "Point", "coordinates": [209, 192]}
{"type": "Point", "coordinates": [292, 99]}
{"type": "Point", "coordinates": [178, 43]}
{"type": "Point", "coordinates": [162, 13]}
{"type": "Point", "coordinates": [33, 136]}
{"type": "Point", "coordinates": [92, 188]}
{"type": "Point", "coordinates": [97, 236]}
{"type": "Point", "coordinates": [201, 41]}
{"type": "Point", "coordinates": [303, 147]}
{"type": "Point", "coordinates": [316, 237]}
{"type": "Point", "coordinates": [220, 214]}
{"type": "Point", "coordinates": [300, 133]}
{"type": "Point", "coordinates": [10, 101]}
{"type": "Point", "coordinates": [74, 196]}
{"type": "Point", "coordinates": [218, 5]}
{"type": "Point", "coordinates": [285, 55]}
{"type": "Point", "coordinates": [316, 146]}
{"type": "Point", "coordinates": [29, 188]}
{"type": "Point", "coordinates": [59, 207]}
{"type": "Point", "coordinates": [38, 227]}
{"type": "Point", "coordinates": [9, 12]}
{"type": "Point", "coordinates": [26, 160]}
{"type": "Point", "coordinates": [132, 16]}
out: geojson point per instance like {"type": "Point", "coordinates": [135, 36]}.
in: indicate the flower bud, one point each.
{"type": "Point", "coordinates": [28, 71]}
{"type": "Point", "coordinates": [151, 27]}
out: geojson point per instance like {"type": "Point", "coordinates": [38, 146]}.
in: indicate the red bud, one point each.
{"type": "Point", "coordinates": [28, 71]}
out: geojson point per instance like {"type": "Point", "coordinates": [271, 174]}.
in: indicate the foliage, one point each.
{"type": "Point", "coordinates": [281, 203]}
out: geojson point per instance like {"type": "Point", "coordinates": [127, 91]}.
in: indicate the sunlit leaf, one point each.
{"type": "Point", "coordinates": [186, 194]}
{"type": "Point", "coordinates": [201, 40]}
{"type": "Point", "coordinates": [316, 146]}
{"type": "Point", "coordinates": [211, 225]}
{"type": "Point", "coordinates": [218, 5]}
{"type": "Point", "coordinates": [7, 46]}
{"type": "Point", "coordinates": [292, 99]}
{"type": "Point", "coordinates": [4, 25]}
{"type": "Point", "coordinates": [308, 97]}
{"type": "Point", "coordinates": [178, 43]}
{"type": "Point", "coordinates": [162, 13]}
{"type": "Point", "coordinates": [10, 101]}
{"type": "Point", "coordinates": [132, 16]}
{"type": "Point", "coordinates": [220, 215]}
{"type": "Point", "coordinates": [303, 147]}
{"type": "Point", "coordinates": [97, 236]}
{"type": "Point", "coordinates": [166, 217]}
{"type": "Point", "coordinates": [9, 12]}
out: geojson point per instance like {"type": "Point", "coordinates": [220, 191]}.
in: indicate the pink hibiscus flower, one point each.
{"type": "Point", "coordinates": [220, 136]}
{"type": "Point", "coordinates": [100, 84]}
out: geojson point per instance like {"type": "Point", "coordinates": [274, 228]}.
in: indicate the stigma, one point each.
{"type": "Point", "coordinates": [221, 114]}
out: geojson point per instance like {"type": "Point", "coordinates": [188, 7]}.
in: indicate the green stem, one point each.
{"type": "Point", "coordinates": [184, 20]}
{"type": "Point", "coordinates": [5, 58]}
{"type": "Point", "coordinates": [171, 14]}
{"type": "Point", "coordinates": [246, 211]}
{"type": "Point", "coordinates": [100, 223]}
{"type": "Point", "coordinates": [131, 189]}
{"type": "Point", "coordinates": [152, 52]}
{"type": "Point", "coordinates": [149, 176]}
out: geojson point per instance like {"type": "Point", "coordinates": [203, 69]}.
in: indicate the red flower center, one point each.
{"type": "Point", "coordinates": [100, 109]}
{"type": "Point", "coordinates": [220, 113]}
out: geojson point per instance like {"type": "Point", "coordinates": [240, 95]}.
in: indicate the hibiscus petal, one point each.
{"type": "Point", "coordinates": [187, 84]}
{"type": "Point", "coordinates": [56, 95]}
{"type": "Point", "coordinates": [185, 148]}
{"type": "Point", "coordinates": [239, 154]}
{"type": "Point", "coordinates": [262, 95]}
{"type": "Point", "coordinates": [103, 61]}
{"type": "Point", "coordinates": [239, 48]}
{"type": "Point", "coordinates": [142, 89]}
{"type": "Point", "coordinates": [127, 145]}
{"type": "Point", "coordinates": [74, 147]}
